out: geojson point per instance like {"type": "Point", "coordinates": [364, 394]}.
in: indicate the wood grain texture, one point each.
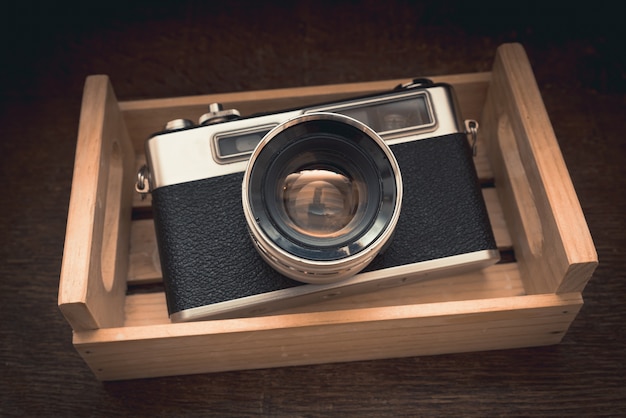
{"type": "Point", "coordinates": [186, 49]}
{"type": "Point", "coordinates": [550, 233]}
{"type": "Point", "coordinates": [93, 279]}
{"type": "Point", "coordinates": [328, 337]}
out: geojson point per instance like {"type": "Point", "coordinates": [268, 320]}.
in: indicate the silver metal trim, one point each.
{"type": "Point", "coordinates": [363, 282]}
{"type": "Point", "coordinates": [176, 124]}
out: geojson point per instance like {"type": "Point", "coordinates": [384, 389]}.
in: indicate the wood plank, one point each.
{"type": "Point", "coordinates": [144, 265]}
{"type": "Point", "coordinates": [324, 337]}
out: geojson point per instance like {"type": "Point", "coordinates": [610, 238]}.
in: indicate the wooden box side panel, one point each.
{"type": "Point", "coordinates": [550, 235]}
{"type": "Point", "coordinates": [325, 337]}
{"type": "Point", "coordinates": [95, 259]}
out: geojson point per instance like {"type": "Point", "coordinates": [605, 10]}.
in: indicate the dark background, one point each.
{"type": "Point", "coordinates": [167, 49]}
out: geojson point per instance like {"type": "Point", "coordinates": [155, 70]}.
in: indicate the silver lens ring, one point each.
{"type": "Point", "coordinates": [321, 195]}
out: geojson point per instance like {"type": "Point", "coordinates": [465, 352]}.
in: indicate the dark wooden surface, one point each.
{"type": "Point", "coordinates": [192, 47]}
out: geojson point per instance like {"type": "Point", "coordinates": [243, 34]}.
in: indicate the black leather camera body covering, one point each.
{"type": "Point", "coordinates": [207, 256]}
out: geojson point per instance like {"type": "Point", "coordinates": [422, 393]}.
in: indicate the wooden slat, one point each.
{"type": "Point", "coordinates": [324, 337]}
{"type": "Point", "coordinates": [144, 266]}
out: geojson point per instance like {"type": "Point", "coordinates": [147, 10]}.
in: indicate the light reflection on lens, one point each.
{"type": "Point", "coordinates": [320, 203]}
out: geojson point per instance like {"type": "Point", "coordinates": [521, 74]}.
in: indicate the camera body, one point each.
{"type": "Point", "coordinates": [212, 269]}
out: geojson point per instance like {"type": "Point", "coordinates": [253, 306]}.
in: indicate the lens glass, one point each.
{"type": "Point", "coordinates": [321, 202]}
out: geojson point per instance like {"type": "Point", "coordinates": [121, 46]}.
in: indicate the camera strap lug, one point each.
{"type": "Point", "coordinates": [142, 186]}
{"type": "Point", "coordinates": [471, 129]}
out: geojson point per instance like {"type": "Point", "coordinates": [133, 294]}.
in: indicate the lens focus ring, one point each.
{"type": "Point", "coordinates": [321, 196]}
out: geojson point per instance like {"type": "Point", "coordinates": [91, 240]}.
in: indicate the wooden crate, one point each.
{"type": "Point", "coordinates": [122, 330]}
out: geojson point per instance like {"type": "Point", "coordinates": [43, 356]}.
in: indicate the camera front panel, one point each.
{"type": "Point", "coordinates": [208, 257]}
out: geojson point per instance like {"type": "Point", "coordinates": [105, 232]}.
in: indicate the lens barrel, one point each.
{"type": "Point", "coordinates": [321, 195]}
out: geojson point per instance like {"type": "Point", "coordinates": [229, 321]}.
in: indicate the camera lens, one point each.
{"type": "Point", "coordinates": [321, 202]}
{"type": "Point", "coordinates": [321, 196]}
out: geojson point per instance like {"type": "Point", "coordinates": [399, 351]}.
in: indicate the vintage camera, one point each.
{"type": "Point", "coordinates": [264, 212]}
